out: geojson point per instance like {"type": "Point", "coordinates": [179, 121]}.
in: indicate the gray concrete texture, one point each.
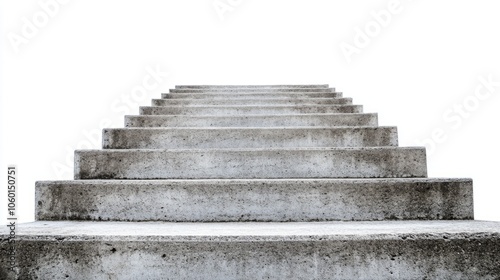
{"type": "Point", "coordinates": [277, 187]}
{"type": "Point", "coordinates": [242, 102]}
{"type": "Point", "coordinates": [249, 110]}
{"type": "Point", "coordinates": [285, 200]}
{"type": "Point", "coordinates": [376, 162]}
{"type": "Point", "coordinates": [248, 90]}
{"type": "Point", "coordinates": [251, 95]}
{"type": "Point", "coordinates": [303, 120]}
{"type": "Point", "coordinates": [323, 250]}
{"type": "Point", "coordinates": [249, 86]}
{"type": "Point", "coordinates": [270, 137]}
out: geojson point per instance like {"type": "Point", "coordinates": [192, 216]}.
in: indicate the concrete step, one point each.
{"type": "Point", "coordinates": [323, 120]}
{"type": "Point", "coordinates": [249, 110]}
{"type": "Point", "coordinates": [251, 90]}
{"type": "Point", "coordinates": [316, 250]}
{"type": "Point", "coordinates": [284, 200]}
{"type": "Point", "coordinates": [250, 86]}
{"type": "Point", "coordinates": [256, 95]}
{"type": "Point", "coordinates": [203, 138]}
{"type": "Point", "coordinates": [269, 102]}
{"type": "Point", "coordinates": [379, 162]}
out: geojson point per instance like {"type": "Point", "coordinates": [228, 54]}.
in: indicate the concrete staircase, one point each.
{"type": "Point", "coordinates": [254, 182]}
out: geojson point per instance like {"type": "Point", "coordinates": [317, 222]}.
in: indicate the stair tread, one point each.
{"type": "Point", "coordinates": [254, 231]}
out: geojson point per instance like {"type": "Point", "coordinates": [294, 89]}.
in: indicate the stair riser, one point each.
{"type": "Point", "coordinates": [248, 90]}
{"type": "Point", "coordinates": [415, 257]}
{"type": "Point", "coordinates": [239, 96]}
{"type": "Point", "coordinates": [203, 138]}
{"type": "Point", "coordinates": [268, 102]}
{"type": "Point", "coordinates": [255, 200]}
{"type": "Point", "coordinates": [250, 110]}
{"type": "Point", "coordinates": [249, 164]}
{"type": "Point", "coordinates": [253, 121]}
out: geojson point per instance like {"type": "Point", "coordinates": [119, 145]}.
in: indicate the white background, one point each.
{"type": "Point", "coordinates": [82, 69]}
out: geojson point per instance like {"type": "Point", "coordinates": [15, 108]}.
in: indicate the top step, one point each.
{"type": "Point", "coordinates": [248, 86]}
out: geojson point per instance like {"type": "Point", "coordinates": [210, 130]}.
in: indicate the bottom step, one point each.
{"type": "Point", "coordinates": [287, 200]}
{"type": "Point", "coordinates": [321, 250]}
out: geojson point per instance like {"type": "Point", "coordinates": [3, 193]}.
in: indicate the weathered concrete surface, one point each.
{"type": "Point", "coordinates": [202, 138]}
{"type": "Point", "coordinates": [250, 86]}
{"type": "Point", "coordinates": [323, 120]}
{"type": "Point", "coordinates": [250, 110]}
{"type": "Point", "coordinates": [326, 250]}
{"type": "Point", "coordinates": [252, 95]}
{"type": "Point", "coordinates": [378, 162]}
{"type": "Point", "coordinates": [249, 90]}
{"type": "Point", "coordinates": [294, 184]}
{"type": "Point", "coordinates": [268, 102]}
{"type": "Point", "coordinates": [255, 200]}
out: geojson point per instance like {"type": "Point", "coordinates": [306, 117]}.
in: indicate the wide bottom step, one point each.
{"type": "Point", "coordinates": [326, 250]}
{"type": "Point", "coordinates": [285, 200]}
